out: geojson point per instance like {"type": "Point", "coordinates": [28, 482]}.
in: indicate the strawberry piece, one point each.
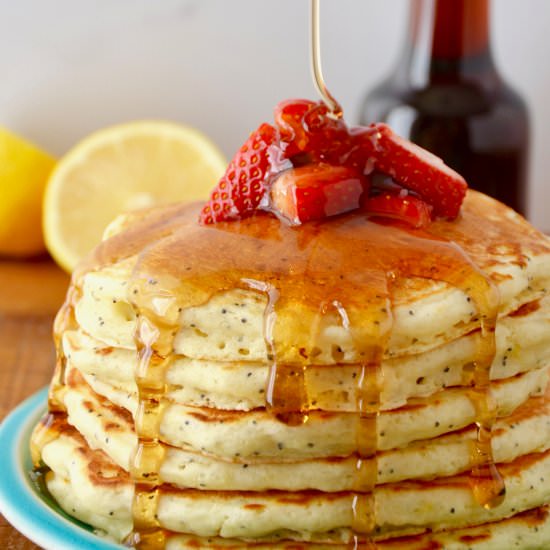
{"type": "Point", "coordinates": [289, 119]}
{"type": "Point", "coordinates": [402, 207]}
{"type": "Point", "coordinates": [314, 192]}
{"type": "Point", "coordinates": [306, 127]}
{"type": "Point", "coordinates": [420, 171]}
{"type": "Point", "coordinates": [360, 149]}
{"type": "Point", "coordinates": [243, 185]}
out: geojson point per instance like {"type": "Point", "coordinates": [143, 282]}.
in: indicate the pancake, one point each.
{"type": "Point", "coordinates": [110, 429]}
{"type": "Point", "coordinates": [266, 386]}
{"type": "Point", "coordinates": [529, 530]}
{"type": "Point", "coordinates": [258, 434]}
{"type": "Point", "coordinates": [94, 487]}
{"type": "Point", "coordinates": [522, 344]}
{"type": "Point", "coordinates": [216, 330]}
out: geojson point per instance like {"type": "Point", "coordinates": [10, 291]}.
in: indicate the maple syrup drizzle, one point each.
{"type": "Point", "coordinates": [286, 389]}
{"type": "Point", "coordinates": [64, 320]}
{"type": "Point", "coordinates": [347, 262]}
{"type": "Point", "coordinates": [157, 325]}
{"type": "Point", "coordinates": [368, 405]}
{"type": "Point", "coordinates": [357, 543]}
{"type": "Point", "coordinates": [48, 429]}
{"type": "Point", "coordinates": [487, 483]}
{"type": "Point", "coordinates": [368, 386]}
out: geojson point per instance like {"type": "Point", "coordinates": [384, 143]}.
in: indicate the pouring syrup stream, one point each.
{"type": "Point", "coordinates": [315, 32]}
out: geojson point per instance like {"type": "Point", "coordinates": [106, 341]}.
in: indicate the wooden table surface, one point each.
{"type": "Point", "coordinates": [30, 295]}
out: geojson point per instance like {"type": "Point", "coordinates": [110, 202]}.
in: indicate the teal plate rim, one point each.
{"type": "Point", "coordinates": [22, 501]}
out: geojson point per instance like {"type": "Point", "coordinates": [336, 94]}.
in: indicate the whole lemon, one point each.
{"type": "Point", "coordinates": [24, 171]}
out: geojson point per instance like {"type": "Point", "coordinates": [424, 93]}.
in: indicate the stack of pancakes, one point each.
{"type": "Point", "coordinates": [341, 384]}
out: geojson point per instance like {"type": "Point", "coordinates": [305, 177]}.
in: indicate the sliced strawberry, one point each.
{"type": "Point", "coordinates": [307, 127]}
{"type": "Point", "coordinates": [317, 191]}
{"type": "Point", "coordinates": [360, 149]}
{"type": "Point", "coordinates": [323, 168]}
{"type": "Point", "coordinates": [243, 185]}
{"type": "Point", "coordinates": [405, 208]}
{"type": "Point", "coordinates": [421, 171]}
{"type": "Point", "coordinates": [289, 119]}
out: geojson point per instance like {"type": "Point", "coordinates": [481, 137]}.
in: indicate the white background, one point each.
{"type": "Point", "coordinates": [68, 67]}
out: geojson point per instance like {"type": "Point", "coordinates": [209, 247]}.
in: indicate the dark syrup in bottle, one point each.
{"type": "Point", "coordinates": [447, 95]}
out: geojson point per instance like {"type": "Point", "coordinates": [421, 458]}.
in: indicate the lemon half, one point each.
{"type": "Point", "coordinates": [124, 167]}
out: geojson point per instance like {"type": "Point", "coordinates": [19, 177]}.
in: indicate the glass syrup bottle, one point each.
{"type": "Point", "coordinates": [446, 95]}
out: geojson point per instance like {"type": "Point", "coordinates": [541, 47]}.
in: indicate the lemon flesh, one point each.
{"type": "Point", "coordinates": [130, 166]}
{"type": "Point", "coordinates": [24, 170]}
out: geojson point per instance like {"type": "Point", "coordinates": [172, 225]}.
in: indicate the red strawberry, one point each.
{"type": "Point", "coordinates": [420, 171]}
{"type": "Point", "coordinates": [243, 185]}
{"type": "Point", "coordinates": [314, 192]}
{"type": "Point", "coordinates": [360, 150]}
{"type": "Point", "coordinates": [401, 207]}
{"type": "Point", "coordinates": [306, 127]}
{"type": "Point", "coordinates": [289, 119]}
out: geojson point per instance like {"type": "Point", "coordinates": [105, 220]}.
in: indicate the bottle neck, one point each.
{"type": "Point", "coordinates": [448, 42]}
